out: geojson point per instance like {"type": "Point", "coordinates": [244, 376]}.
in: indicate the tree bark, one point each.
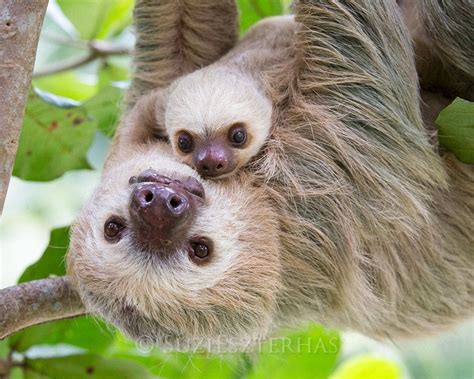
{"type": "Point", "coordinates": [37, 302]}
{"type": "Point", "coordinates": [20, 25]}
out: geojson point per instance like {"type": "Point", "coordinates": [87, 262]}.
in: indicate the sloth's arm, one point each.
{"type": "Point", "coordinates": [178, 36]}
{"type": "Point", "coordinates": [354, 61]}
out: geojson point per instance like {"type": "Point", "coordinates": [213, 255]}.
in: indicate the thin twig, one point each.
{"type": "Point", "coordinates": [66, 65]}
{"type": "Point", "coordinates": [97, 49]}
{"type": "Point", "coordinates": [65, 41]}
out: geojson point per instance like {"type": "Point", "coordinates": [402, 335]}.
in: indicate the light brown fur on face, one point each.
{"type": "Point", "coordinates": [206, 106]}
{"type": "Point", "coordinates": [168, 299]}
{"type": "Point", "coordinates": [348, 217]}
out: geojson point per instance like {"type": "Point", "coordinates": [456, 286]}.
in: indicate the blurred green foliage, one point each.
{"type": "Point", "coordinates": [367, 367]}
{"type": "Point", "coordinates": [79, 366]}
{"type": "Point", "coordinates": [97, 19]}
{"type": "Point", "coordinates": [456, 129]}
{"type": "Point", "coordinates": [55, 138]}
{"type": "Point", "coordinates": [52, 261]}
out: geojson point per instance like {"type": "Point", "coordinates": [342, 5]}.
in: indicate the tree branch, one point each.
{"type": "Point", "coordinates": [36, 302]}
{"type": "Point", "coordinates": [20, 25]}
{"type": "Point", "coordinates": [97, 49]}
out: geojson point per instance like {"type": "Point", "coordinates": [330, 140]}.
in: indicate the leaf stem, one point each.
{"type": "Point", "coordinates": [97, 49]}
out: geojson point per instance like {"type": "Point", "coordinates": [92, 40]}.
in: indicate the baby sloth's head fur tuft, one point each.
{"type": "Point", "coordinates": [200, 271]}
{"type": "Point", "coordinates": [217, 120]}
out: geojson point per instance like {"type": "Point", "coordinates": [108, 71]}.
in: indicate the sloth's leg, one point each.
{"type": "Point", "coordinates": [175, 37]}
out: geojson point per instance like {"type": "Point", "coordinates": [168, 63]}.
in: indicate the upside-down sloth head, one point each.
{"type": "Point", "coordinates": [174, 260]}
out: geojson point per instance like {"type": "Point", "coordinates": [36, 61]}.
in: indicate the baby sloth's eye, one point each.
{"type": "Point", "coordinates": [238, 135]}
{"type": "Point", "coordinates": [185, 142]}
{"type": "Point", "coordinates": [200, 249]}
{"type": "Point", "coordinates": [113, 229]}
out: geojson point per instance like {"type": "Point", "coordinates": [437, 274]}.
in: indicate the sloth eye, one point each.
{"type": "Point", "coordinates": [201, 249]}
{"type": "Point", "coordinates": [185, 142]}
{"type": "Point", "coordinates": [113, 229]}
{"type": "Point", "coordinates": [238, 135]}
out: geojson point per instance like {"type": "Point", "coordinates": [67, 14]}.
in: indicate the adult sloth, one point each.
{"type": "Point", "coordinates": [348, 217]}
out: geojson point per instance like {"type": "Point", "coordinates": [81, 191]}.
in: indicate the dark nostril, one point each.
{"type": "Point", "coordinates": [160, 214]}
{"type": "Point", "coordinates": [205, 168]}
{"type": "Point", "coordinates": [176, 204]}
{"type": "Point", "coordinates": [219, 166]}
{"type": "Point", "coordinates": [175, 201]}
{"type": "Point", "coordinates": [148, 196]}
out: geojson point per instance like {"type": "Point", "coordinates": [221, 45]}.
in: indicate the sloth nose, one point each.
{"type": "Point", "coordinates": [152, 198]}
{"type": "Point", "coordinates": [213, 161]}
{"type": "Point", "coordinates": [158, 212]}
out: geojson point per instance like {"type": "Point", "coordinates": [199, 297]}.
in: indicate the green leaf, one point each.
{"type": "Point", "coordinates": [311, 353]}
{"type": "Point", "coordinates": [66, 84]}
{"type": "Point", "coordinates": [109, 73]}
{"type": "Point", "coordinates": [84, 366]}
{"type": "Point", "coordinates": [184, 365]}
{"type": "Point", "coordinates": [116, 19]}
{"type": "Point", "coordinates": [367, 367]}
{"type": "Point", "coordinates": [97, 19]}
{"type": "Point", "coordinates": [456, 129]}
{"type": "Point", "coordinates": [53, 140]}
{"type": "Point", "coordinates": [52, 260]}
{"type": "Point", "coordinates": [4, 348]}
{"type": "Point", "coordinates": [190, 366]}
{"type": "Point", "coordinates": [83, 332]}
{"type": "Point", "coordinates": [252, 11]}
{"type": "Point", "coordinates": [104, 108]}
{"type": "Point", "coordinates": [16, 373]}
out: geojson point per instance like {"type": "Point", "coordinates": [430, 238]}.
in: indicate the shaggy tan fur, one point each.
{"type": "Point", "coordinates": [348, 216]}
{"type": "Point", "coordinates": [177, 37]}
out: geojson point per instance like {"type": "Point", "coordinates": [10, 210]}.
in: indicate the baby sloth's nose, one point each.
{"type": "Point", "coordinates": [214, 160]}
{"type": "Point", "coordinates": [159, 212]}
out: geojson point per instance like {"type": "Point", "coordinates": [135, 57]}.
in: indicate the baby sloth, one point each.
{"type": "Point", "coordinates": [219, 117]}
{"type": "Point", "coordinates": [217, 120]}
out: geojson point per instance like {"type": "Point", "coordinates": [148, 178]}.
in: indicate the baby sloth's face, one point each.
{"type": "Point", "coordinates": [218, 155]}
{"type": "Point", "coordinates": [175, 261]}
{"type": "Point", "coordinates": [217, 121]}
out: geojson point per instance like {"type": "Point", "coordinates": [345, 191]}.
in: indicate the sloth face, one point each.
{"type": "Point", "coordinates": [174, 260]}
{"type": "Point", "coordinates": [217, 120]}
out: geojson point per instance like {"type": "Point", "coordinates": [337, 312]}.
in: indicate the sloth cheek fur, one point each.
{"type": "Point", "coordinates": [164, 297]}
